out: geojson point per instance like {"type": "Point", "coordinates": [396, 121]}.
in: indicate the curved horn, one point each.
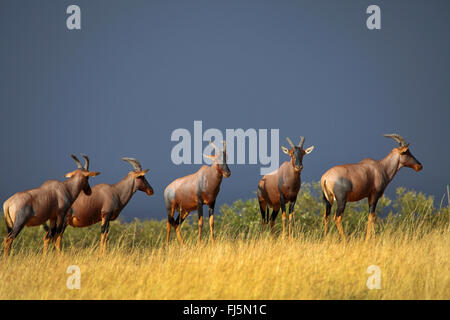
{"type": "Point", "coordinates": [398, 138]}
{"type": "Point", "coordinates": [77, 161]}
{"type": "Point", "coordinates": [134, 163]}
{"type": "Point", "coordinates": [86, 163]}
{"type": "Point", "coordinates": [302, 141]}
{"type": "Point", "coordinates": [290, 142]}
{"type": "Point", "coordinates": [224, 146]}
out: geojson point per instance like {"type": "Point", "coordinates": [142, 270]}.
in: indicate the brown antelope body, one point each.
{"type": "Point", "coordinates": [191, 192]}
{"type": "Point", "coordinates": [280, 187]}
{"type": "Point", "coordinates": [366, 179]}
{"type": "Point", "coordinates": [107, 201]}
{"type": "Point", "coordinates": [51, 201]}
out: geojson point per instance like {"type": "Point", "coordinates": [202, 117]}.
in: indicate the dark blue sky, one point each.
{"type": "Point", "coordinates": [140, 69]}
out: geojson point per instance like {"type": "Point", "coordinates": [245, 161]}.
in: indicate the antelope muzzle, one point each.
{"type": "Point", "coordinates": [147, 188]}
{"type": "Point", "coordinates": [149, 191]}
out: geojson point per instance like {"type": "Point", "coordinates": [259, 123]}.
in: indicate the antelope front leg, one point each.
{"type": "Point", "coordinates": [46, 242]}
{"type": "Point", "coordinates": [372, 216]}
{"type": "Point", "coordinates": [211, 220]}
{"type": "Point", "coordinates": [178, 223]}
{"type": "Point", "coordinates": [283, 220]}
{"type": "Point", "coordinates": [58, 242]}
{"type": "Point", "coordinates": [59, 235]}
{"type": "Point", "coordinates": [291, 220]}
{"type": "Point", "coordinates": [371, 226]}
{"type": "Point", "coordinates": [49, 235]}
{"type": "Point", "coordinates": [177, 230]}
{"type": "Point", "coordinates": [59, 229]}
{"type": "Point", "coordinates": [200, 221]}
{"type": "Point", "coordinates": [272, 221]}
{"type": "Point", "coordinates": [283, 216]}
{"type": "Point", "coordinates": [104, 231]}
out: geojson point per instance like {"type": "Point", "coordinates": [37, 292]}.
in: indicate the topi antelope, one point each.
{"type": "Point", "coordinates": [278, 188]}
{"type": "Point", "coordinates": [366, 179]}
{"type": "Point", "coordinates": [107, 201]}
{"type": "Point", "coordinates": [191, 192]}
{"type": "Point", "coordinates": [51, 201]}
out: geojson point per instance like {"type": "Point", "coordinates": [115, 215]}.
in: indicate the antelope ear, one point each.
{"type": "Point", "coordinates": [69, 175]}
{"type": "Point", "coordinates": [285, 150]}
{"type": "Point", "coordinates": [309, 150]}
{"type": "Point", "coordinates": [403, 149]}
{"type": "Point", "coordinates": [91, 173]}
{"type": "Point", "coordinates": [140, 173]}
{"type": "Point", "coordinates": [209, 156]}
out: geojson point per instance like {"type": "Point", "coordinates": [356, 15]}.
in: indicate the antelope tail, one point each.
{"type": "Point", "coordinates": [8, 221]}
{"type": "Point", "coordinates": [326, 193]}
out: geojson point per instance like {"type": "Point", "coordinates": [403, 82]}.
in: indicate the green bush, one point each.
{"type": "Point", "coordinates": [410, 213]}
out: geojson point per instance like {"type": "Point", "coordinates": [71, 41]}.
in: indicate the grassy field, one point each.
{"type": "Point", "coordinates": [410, 248]}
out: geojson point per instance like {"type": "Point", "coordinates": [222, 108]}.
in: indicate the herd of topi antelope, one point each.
{"type": "Point", "coordinates": [74, 203]}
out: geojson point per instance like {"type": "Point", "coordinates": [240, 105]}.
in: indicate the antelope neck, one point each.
{"type": "Point", "coordinates": [391, 164]}
{"type": "Point", "coordinates": [73, 185]}
{"type": "Point", "coordinates": [125, 188]}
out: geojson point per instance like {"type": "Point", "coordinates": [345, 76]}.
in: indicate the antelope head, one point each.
{"type": "Point", "coordinates": [138, 174]}
{"type": "Point", "coordinates": [83, 173]}
{"type": "Point", "coordinates": [406, 157]}
{"type": "Point", "coordinates": [296, 153]}
{"type": "Point", "coordinates": [220, 159]}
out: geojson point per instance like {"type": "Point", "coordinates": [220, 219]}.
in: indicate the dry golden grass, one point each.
{"type": "Point", "coordinates": [411, 268]}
